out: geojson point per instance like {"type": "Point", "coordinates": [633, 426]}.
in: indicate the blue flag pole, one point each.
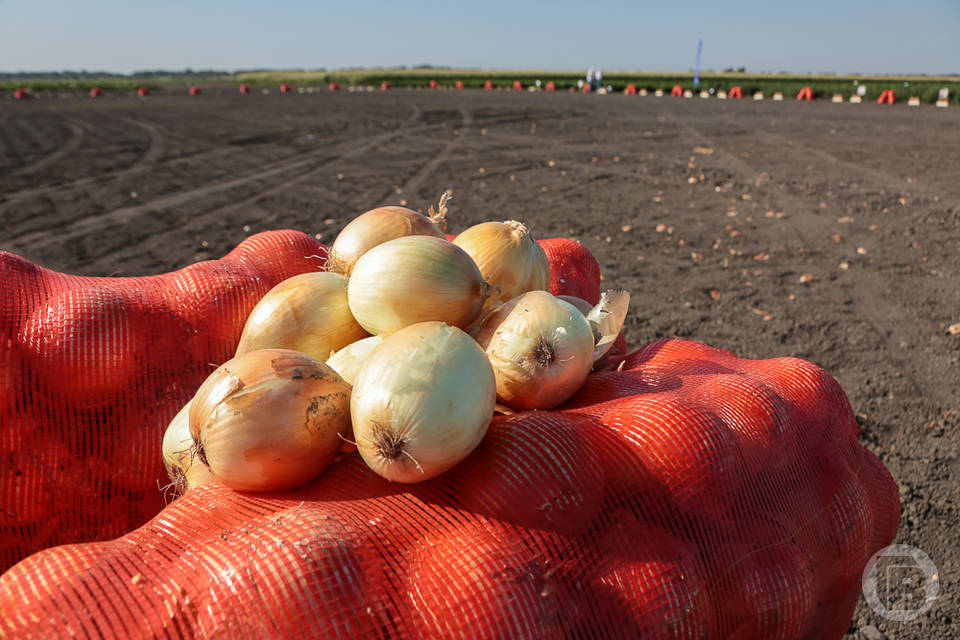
{"type": "Point", "coordinates": [696, 71]}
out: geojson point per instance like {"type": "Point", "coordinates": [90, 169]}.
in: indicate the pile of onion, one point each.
{"type": "Point", "coordinates": [402, 377]}
{"type": "Point", "coordinates": [270, 420]}
{"type": "Point", "coordinates": [402, 400]}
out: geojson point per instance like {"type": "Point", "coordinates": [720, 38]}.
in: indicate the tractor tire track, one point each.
{"type": "Point", "coordinates": [7, 148]}
{"type": "Point", "coordinates": [304, 166]}
{"type": "Point", "coordinates": [861, 170]}
{"type": "Point", "coordinates": [414, 182]}
{"type": "Point", "coordinates": [155, 147]}
{"type": "Point", "coordinates": [141, 165]}
{"type": "Point", "coordinates": [72, 143]}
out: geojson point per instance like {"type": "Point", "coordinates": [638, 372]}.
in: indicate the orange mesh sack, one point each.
{"type": "Point", "coordinates": [93, 369]}
{"type": "Point", "coordinates": [690, 494]}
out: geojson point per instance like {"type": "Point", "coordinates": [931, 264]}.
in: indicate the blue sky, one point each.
{"type": "Point", "coordinates": [842, 36]}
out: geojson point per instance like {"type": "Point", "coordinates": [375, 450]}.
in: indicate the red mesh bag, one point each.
{"type": "Point", "coordinates": [691, 494]}
{"type": "Point", "coordinates": [93, 369]}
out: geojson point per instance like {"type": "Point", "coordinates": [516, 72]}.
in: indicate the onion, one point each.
{"type": "Point", "coordinates": [507, 256]}
{"type": "Point", "coordinates": [184, 468]}
{"type": "Point", "coordinates": [348, 360]}
{"type": "Point", "coordinates": [270, 420]}
{"type": "Point", "coordinates": [380, 225]}
{"type": "Point", "coordinates": [541, 349]}
{"type": "Point", "coordinates": [422, 402]}
{"type": "Point", "coordinates": [416, 279]}
{"type": "Point", "coordinates": [307, 312]}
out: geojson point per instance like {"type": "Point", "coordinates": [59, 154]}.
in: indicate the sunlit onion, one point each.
{"type": "Point", "coordinates": [307, 312]}
{"type": "Point", "coordinates": [508, 257]}
{"type": "Point", "coordinates": [606, 319]}
{"type": "Point", "coordinates": [422, 402]}
{"type": "Point", "coordinates": [380, 225]}
{"type": "Point", "coordinates": [270, 420]}
{"type": "Point", "coordinates": [416, 279]}
{"type": "Point", "coordinates": [541, 349]}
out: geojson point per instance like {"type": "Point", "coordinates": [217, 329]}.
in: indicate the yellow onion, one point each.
{"type": "Point", "coordinates": [270, 420]}
{"type": "Point", "coordinates": [422, 402]}
{"type": "Point", "coordinates": [380, 225]}
{"type": "Point", "coordinates": [348, 360]}
{"type": "Point", "coordinates": [541, 349]}
{"type": "Point", "coordinates": [415, 279]}
{"type": "Point", "coordinates": [184, 468]}
{"type": "Point", "coordinates": [307, 312]}
{"type": "Point", "coordinates": [508, 257]}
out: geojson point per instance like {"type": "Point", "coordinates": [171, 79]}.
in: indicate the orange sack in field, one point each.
{"type": "Point", "coordinates": [689, 494]}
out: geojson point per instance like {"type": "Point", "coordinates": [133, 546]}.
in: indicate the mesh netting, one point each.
{"type": "Point", "coordinates": [93, 369]}
{"type": "Point", "coordinates": [691, 494]}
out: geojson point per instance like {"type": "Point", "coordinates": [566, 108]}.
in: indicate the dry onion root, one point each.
{"type": "Point", "coordinates": [306, 312]}
{"type": "Point", "coordinates": [270, 420]}
{"type": "Point", "coordinates": [379, 225]}
{"type": "Point", "coordinates": [185, 470]}
{"type": "Point", "coordinates": [507, 256]}
{"type": "Point", "coordinates": [422, 402]}
{"type": "Point", "coordinates": [541, 349]}
{"type": "Point", "coordinates": [416, 279]}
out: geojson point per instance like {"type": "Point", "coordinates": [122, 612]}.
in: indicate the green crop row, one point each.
{"type": "Point", "coordinates": [67, 86]}
{"type": "Point", "coordinates": [927, 89]}
{"type": "Point", "coordinates": [823, 86]}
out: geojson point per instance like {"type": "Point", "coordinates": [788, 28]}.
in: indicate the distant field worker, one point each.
{"type": "Point", "coordinates": [598, 78]}
{"type": "Point", "coordinates": [590, 77]}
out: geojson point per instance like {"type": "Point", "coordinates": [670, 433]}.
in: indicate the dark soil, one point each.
{"type": "Point", "coordinates": [829, 232]}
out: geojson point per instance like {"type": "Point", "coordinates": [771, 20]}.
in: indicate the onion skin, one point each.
{"type": "Point", "coordinates": [307, 312]}
{"type": "Point", "coordinates": [422, 402]}
{"type": "Point", "coordinates": [270, 420]}
{"type": "Point", "coordinates": [373, 228]}
{"type": "Point", "coordinates": [416, 279]}
{"type": "Point", "coordinates": [541, 349]}
{"type": "Point", "coordinates": [507, 256]}
{"type": "Point", "coordinates": [348, 360]}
